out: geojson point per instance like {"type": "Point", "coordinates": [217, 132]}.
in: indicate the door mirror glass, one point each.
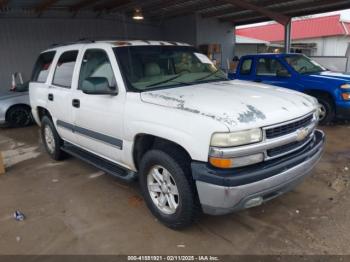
{"type": "Point", "coordinates": [97, 86]}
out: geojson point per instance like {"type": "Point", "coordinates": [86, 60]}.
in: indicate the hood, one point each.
{"type": "Point", "coordinates": [10, 94]}
{"type": "Point", "coordinates": [330, 76]}
{"type": "Point", "coordinates": [237, 104]}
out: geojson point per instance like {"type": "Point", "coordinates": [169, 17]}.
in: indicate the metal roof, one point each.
{"type": "Point", "coordinates": [238, 12]}
{"type": "Point", "coordinates": [301, 29]}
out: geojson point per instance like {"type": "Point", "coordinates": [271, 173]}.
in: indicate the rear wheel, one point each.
{"type": "Point", "coordinates": [327, 111]}
{"type": "Point", "coordinates": [19, 116]}
{"type": "Point", "coordinates": [168, 189]}
{"type": "Point", "coordinates": [51, 139]}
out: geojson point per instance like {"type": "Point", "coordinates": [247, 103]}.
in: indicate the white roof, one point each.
{"type": "Point", "coordinates": [118, 43]}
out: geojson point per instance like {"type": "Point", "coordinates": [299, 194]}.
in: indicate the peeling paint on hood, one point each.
{"type": "Point", "coordinates": [235, 103]}
{"type": "Point", "coordinates": [251, 115]}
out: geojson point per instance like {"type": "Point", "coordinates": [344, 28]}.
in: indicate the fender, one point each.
{"type": "Point", "coordinates": [179, 137]}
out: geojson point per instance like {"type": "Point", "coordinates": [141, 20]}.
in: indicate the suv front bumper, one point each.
{"type": "Point", "coordinates": [224, 191]}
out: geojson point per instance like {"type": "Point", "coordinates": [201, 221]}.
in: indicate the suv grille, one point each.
{"type": "Point", "coordinates": [288, 128]}
{"type": "Point", "coordinates": [281, 150]}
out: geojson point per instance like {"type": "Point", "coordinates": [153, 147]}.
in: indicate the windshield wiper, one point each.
{"type": "Point", "coordinates": [165, 81]}
{"type": "Point", "coordinates": [207, 76]}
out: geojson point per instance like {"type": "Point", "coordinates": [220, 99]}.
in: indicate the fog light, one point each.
{"type": "Point", "coordinates": [346, 96]}
{"type": "Point", "coordinates": [237, 161]}
{"type": "Point", "coordinates": [254, 202]}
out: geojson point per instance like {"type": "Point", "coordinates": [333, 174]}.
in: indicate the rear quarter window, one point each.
{"type": "Point", "coordinates": [246, 67]}
{"type": "Point", "coordinates": [42, 67]}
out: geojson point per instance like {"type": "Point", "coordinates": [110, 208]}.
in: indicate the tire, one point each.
{"type": "Point", "coordinates": [327, 114]}
{"type": "Point", "coordinates": [188, 206]}
{"type": "Point", "coordinates": [19, 116]}
{"type": "Point", "coordinates": [51, 139]}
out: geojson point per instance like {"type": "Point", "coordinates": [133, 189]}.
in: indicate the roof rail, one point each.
{"type": "Point", "coordinates": [80, 41]}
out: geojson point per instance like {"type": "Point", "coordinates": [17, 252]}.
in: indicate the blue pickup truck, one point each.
{"type": "Point", "coordinates": [300, 73]}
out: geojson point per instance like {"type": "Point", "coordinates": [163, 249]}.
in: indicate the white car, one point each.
{"type": "Point", "coordinates": [163, 113]}
{"type": "Point", "coordinates": [15, 108]}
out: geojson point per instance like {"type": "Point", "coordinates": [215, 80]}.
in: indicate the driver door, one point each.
{"type": "Point", "coordinates": [99, 118]}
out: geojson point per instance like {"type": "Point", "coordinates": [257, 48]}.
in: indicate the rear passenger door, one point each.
{"type": "Point", "coordinates": [60, 93]}
{"type": "Point", "coordinates": [271, 71]}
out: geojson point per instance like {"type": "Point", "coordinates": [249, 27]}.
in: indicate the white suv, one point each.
{"type": "Point", "coordinates": [163, 113]}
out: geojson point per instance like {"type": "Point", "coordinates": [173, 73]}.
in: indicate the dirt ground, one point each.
{"type": "Point", "coordinates": [72, 208]}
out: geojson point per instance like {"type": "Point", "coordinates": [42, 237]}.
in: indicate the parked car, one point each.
{"type": "Point", "coordinates": [163, 113]}
{"type": "Point", "coordinates": [15, 108]}
{"type": "Point", "coordinates": [300, 73]}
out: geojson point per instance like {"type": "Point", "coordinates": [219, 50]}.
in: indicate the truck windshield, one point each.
{"type": "Point", "coordinates": [304, 65]}
{"type": "Point", "coordinates": [154, 67]}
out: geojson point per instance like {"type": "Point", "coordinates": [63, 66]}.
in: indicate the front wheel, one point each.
{"type": "Point", "coordinates": [327, 111]}
{"type": "Point", "coordinates": [168, 190]}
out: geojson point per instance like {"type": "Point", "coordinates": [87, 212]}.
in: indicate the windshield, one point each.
{"type": "Point", "coordinates": [304, 65]}
{"type": "Point", "coordinates": [154, 67]}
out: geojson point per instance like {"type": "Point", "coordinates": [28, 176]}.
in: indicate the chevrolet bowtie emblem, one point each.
{"type": "Point", "coordinates": [302, 134]}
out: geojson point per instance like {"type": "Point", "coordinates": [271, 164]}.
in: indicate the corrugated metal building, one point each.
{"type": "Point", "coordinates": [23, 39]}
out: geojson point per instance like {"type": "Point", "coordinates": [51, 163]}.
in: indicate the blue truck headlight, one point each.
{"type": "Point", "coordinates": [345, 86]}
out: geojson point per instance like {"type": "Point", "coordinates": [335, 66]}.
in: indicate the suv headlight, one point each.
{"type": "Point", "coordinates": [236, 138]}
{"type": "Point", "coordinates": [345, 86]}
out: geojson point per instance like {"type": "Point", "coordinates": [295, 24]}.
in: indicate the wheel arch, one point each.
{"type": "Point", "coordinates": [320, 93]}
{"type": "Point", "coordinates": [42, 111]}
{"type": "Point", "coordinates": [144, 142]}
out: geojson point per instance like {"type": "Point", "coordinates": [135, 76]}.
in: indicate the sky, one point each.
{"type": "Point", "coordinates": [345, 15]}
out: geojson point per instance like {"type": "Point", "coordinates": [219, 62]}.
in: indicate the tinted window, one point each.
{"type": "Point", "coordinates": [65, 68]}
{"type": "Point", "coordinates": [246, 67]}
{"type": "Point", "coordinates": [269, 67]}
{"type": "Point", "coordinates": [95, 66]}
{"type": "Point", "coordinates": [42, 67]}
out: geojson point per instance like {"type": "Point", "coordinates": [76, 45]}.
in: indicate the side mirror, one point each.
{"type": "Point", "coordinates": [282, 73]}
{"type": "Point", "coordinates": [98, 86]}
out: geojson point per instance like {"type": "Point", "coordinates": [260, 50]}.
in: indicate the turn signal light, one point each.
{"type": "Point", "coordinates": [346, 96]}
{"type": "Point", "coordinates": [221, 162]}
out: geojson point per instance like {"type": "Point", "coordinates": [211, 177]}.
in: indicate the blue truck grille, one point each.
{"type": "Point", "coordinates": [288, 128]}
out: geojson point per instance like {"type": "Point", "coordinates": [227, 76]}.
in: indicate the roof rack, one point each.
{"type": "Point", "coordinates": [80, 41]}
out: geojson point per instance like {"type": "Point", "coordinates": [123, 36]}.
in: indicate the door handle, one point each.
{"type": "Point", "coordinates": [50, 97]}
{"type": "Point", "coordinates": [76, 103]}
